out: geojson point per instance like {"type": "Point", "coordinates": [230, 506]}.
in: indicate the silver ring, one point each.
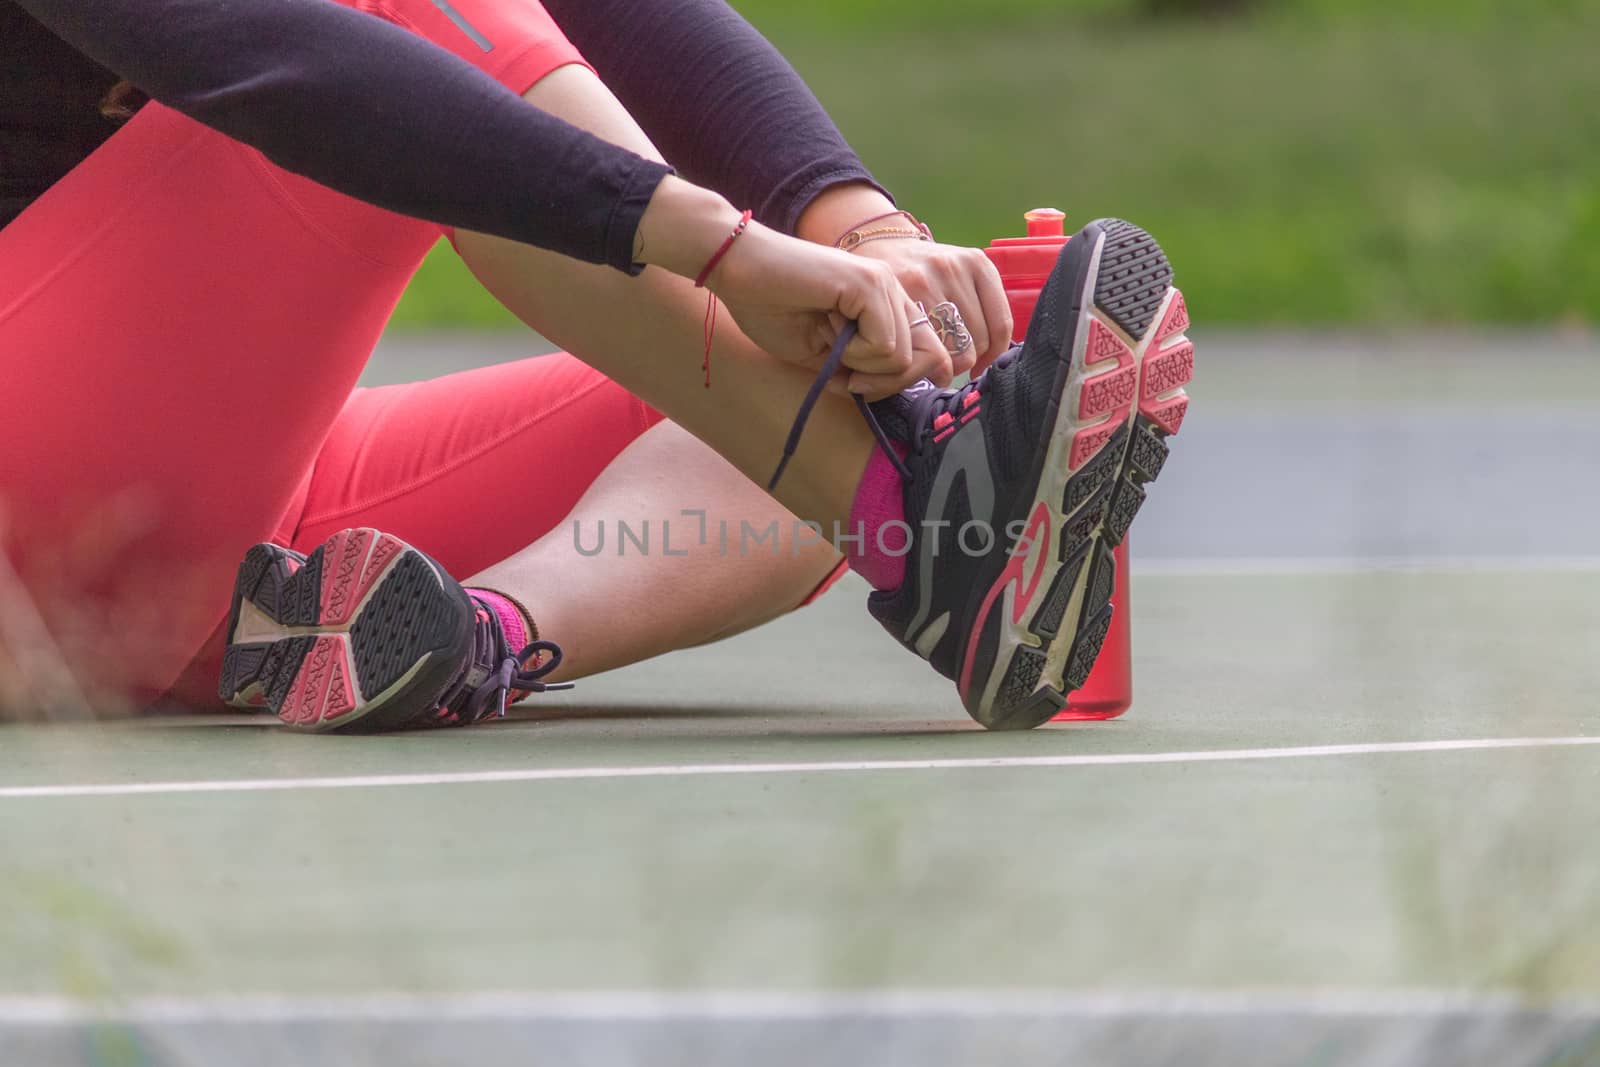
{"type": "Point", "coordinates": [946, 321]}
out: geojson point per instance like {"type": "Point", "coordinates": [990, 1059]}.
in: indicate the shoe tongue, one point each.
{"type": "Point", "coordinates": [488, 646]}
{"type": "Point", "coordinates": [900, 414]}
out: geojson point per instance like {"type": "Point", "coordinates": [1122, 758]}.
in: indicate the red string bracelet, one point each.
{"type": "Point", "coordinates": [716, 257]}
{"type": "Point", "coordinates": [711, 298]}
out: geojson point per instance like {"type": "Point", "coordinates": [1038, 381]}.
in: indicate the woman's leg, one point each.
{"type": "Point", "coordinates": [623, 536]}
{"type": "Point", "coordinates": [515, 474]}
{"type": "Point", "coordinates": [721, 557]}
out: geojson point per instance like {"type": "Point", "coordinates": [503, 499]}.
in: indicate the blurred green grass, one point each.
{"type": "Point", "coordinates": [1308, 161]}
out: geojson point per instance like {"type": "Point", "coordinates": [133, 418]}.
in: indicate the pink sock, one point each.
{"type": "Point", "coordinates": [512, 622]}
{"type": "Point", "coordinates": [880, 558]}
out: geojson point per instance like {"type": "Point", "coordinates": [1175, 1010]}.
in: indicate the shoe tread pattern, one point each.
{"type": "Point", "coordinates": [1086, 649]}
{"type": "Point", "coordinates": [408, 616]}
{"type": "Point", "coordinates": [282, 667]}
{"type": "Point", "coordinates": [264, 581]}
{"type": "Point", "coordinates": [1134, 277]}
{"type": "Point", "coordinates": [1047, 623]}
{"type": "Point", "coordinates": [1087, 482]}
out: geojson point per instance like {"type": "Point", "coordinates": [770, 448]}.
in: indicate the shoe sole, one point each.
{"type": "Point", "coordinates": [1120, 396]}
{"type": "Point", "coordinates": [363, 636]}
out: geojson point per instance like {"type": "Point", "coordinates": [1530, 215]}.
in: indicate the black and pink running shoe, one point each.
{"type": "Point", "coordinates": [369, 634]}
{"type": "Point", "coordinates": [1019, 484]}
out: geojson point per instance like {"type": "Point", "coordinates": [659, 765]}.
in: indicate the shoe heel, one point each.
{"type": "Point", "coordinates": [276, 586]}
{"type": "Point", "coordinates": [399, 628]}
{"type": "Point", "coordinates": [258, 676]}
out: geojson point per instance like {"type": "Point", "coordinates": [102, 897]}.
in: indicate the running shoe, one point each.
{"type": "Point", "coordinates": [1019, 484]}
{"type": "Point", "coordinates": [368, 634]}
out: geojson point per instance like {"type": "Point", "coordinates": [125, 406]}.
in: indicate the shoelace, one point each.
{"type": "Point", "coordinates": [503, 673]}
{"type": "Point", "coordinates": [514, 674]}
{"type": "Point", "coordinates": [830, 367]}
{"type": "Point", "coordinates": [941, 400]}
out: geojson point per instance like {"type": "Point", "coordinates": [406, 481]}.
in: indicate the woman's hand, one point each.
{"type": "Point", "coordinates": [930, 273]}
{"type": "Point", "coordinates": [793, 297]}
{"type": "Point", "coordinates": [934, 273]}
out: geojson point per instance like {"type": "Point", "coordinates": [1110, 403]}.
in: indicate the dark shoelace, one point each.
{"type": "Point", "coordinates": [942, 400]}
{"type": "Point", "coordinates": [513, 674]}
{"type": "Point", "coordinates": [830, 367]}
{"type": "Point", "coordinates": [502, 673]}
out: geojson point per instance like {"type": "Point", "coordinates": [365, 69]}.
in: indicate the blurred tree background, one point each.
{"type": "Point", "coordinates": [1320, 162]}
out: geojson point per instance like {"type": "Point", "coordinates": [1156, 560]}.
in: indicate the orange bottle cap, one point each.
{"type": "Point", "coordinates": [1046, 222]}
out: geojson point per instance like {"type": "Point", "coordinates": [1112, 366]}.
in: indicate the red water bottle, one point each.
{"type": "Point", "coordinates": [1024, 264]}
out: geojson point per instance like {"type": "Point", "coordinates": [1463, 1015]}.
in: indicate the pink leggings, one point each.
{"type": "Point", "coordinates": [181, 328]}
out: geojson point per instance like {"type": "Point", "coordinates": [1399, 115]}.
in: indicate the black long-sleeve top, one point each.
{"type": "Point", "coordinates": [373, 111]}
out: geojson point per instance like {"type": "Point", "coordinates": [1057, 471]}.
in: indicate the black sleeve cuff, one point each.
{"type": "Point", "coordinates": [638, 186]}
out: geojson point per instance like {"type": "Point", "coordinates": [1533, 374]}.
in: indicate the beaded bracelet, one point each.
{"type": "Point", "coordinates": [860, 234]}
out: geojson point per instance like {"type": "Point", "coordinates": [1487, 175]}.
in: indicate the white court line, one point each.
{"type": "Point", "coordinates": [1316, 566]}
{"type": "Point", "coordinates": [738, 1005]}
{"type": "Point", "coordinates": [694, 770]}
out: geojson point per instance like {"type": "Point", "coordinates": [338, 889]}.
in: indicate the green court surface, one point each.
{"type": "Point", "coordinates": [1351, 818]}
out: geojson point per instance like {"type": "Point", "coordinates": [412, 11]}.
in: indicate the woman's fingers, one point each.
{"type": "Point", "coordinates": [961, 279]}
{"type": "Point", "coordinates": [999, 323]}
{"type": "Point", "coordinates": [878, 342]}
{"type": "Point", "coordinates": [880, 369]}
{"type": "Point", "coordinates": [973, 316]}
{"type": "Point", "coordinates": [883, 345]}
{"type": "Point", "coordinates": [929, 360]}
{"type": "Point", "coordinates": [936, 274]}
{"type": "Point", "coordinates": [793, 298]}
{"type": "Point", "coordinates": [965, 361]}
{"type": "Point", "coordinates": [933, 360]}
